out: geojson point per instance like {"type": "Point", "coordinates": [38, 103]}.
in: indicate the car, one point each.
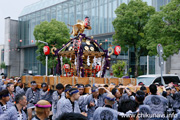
{"type": "Point", "coordinates": [156, 78]}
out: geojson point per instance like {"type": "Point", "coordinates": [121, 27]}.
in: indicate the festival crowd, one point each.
{"type": "Point", "coordinates": [102, 102]}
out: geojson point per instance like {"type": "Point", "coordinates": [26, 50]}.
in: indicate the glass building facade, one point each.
{"type": "Point", "coordinates": [101, 13]}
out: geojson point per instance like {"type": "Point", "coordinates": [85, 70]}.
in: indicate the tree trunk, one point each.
{"type": "Point", "coordinates": [136, 61]}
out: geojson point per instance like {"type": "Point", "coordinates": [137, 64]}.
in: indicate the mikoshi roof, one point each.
{"type": "Point", "coordinates": [90, 48]}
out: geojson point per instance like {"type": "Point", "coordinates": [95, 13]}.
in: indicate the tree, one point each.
{"type": "Point", "coordinates": [66, 60]}
{"type": "Point", "coordinates": [164, 28]}
{"type": "Point", "coordinates": [54, 33]}
{"type": "Point", "coordinates": [129, 23]}
{"type": "Point", "coordinates": [119, 68]}
{"type": "Point", "coordinates": [3, 65]}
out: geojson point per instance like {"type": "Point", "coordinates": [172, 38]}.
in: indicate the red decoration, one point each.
{"type": "Point", "coordinates": [106, 40]}
{"type": "Point", "coordinates": [86, 22]}
{"type": "Point", "coordinates": [9, 40]}
{"type": "Point", "coordinates": [46, 50]}
{"type": "Point", "coordinates": [66, 70]}
{"type": "Point", "coordinates": [117, 50]}
{"type": "Point", "coordinates": [66, 66]}
{"type": "Point", "coordinates": [20, 40]}
{"type": "Point", "coordinates": [32, 41]}
{"type": "Point", "coordinates": [98, 68]}
{"type": "Point", "coordinates": [87, 71]}
{"type": "Point", "coordinates": [94, 72]}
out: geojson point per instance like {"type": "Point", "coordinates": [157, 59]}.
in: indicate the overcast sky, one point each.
{"type": "Point", "coordinates": [11, 8]}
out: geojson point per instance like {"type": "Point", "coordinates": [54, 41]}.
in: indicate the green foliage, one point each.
{"type": "Point", "coordinates": [140, 71]}
{"type": "Point", "coordinates": [129, 23]}
{"type": "Point", "coordinates": [54, 33]}
{"type": "Point", "coordinates": [66, 60]}
{"type": "Point", "coordinates": [3, 65]}
{"type": "Point", "coordinates": [119, 68]}
{"type": "Point", "coordinates": [164, 28]}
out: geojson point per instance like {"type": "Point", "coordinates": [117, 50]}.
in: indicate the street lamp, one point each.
{"type": "Point", "coordinates": [46, 56]}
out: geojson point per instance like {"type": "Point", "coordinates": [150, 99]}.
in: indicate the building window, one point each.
{"type": "Point", "coordinates": [65, 14]}
{"type": "Point", "coordinates": [114, 5]}
{"type": "Point", "coordinates": [48, 14]}
{"type": "Point", "coordinates": [110, 17]}
{"type": "Point", "coordinates": [101, 16]}
{"type": "Point", "coordinates": [31, 63]}
{"type": "Point", "coordinates": [53, 12]}
{"type": "Point", "coordinates": [87, 13]}
{"type": "Point", "coordinates": [149, 2]}
{"type": "Point", "coordinates": [72, 15]}
{"type": "Point", "coordinates": [93, 18]}
{"type": "Point", "coordinates": [125, 1]}
{"type": "Point", "coordinates": [59, 13]}
{"type": "Point", "coordinates": [105, 16]}
{"type": "Point", "coordinates": [38, 18]}
{"type": "Point", "coordinates": [43, 15]}
{"type": "Point", "coordinates": [79, 12]}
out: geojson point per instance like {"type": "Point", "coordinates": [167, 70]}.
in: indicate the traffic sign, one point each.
{"type": "Point", "coordinates": [159, 49]}
{"type": "Point", "coordinates": [160, 52]}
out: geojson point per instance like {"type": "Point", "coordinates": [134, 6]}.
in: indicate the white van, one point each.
{"type": "Point", "coordinates": [156, 78]}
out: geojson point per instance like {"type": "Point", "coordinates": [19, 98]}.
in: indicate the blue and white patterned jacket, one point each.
{"type": "Point", "coordinates": [12, 114]}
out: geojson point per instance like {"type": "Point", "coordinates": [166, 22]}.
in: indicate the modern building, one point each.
{"type": "Point", "coordinates": [101, 13]}
{"type": "Point", "coordinates": [1, 57]}
{"type": "Point", "coordinates": [11, 53]}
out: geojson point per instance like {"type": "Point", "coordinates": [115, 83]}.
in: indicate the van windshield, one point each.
{"type": "Point", "coordinates": [145, 80]}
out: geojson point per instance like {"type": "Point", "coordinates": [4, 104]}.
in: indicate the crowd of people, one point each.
{"type": "Point", "coordinates": [102, 102]}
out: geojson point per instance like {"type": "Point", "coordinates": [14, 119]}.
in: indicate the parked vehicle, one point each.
{"type": "Point", "coordinates": [156, 78]}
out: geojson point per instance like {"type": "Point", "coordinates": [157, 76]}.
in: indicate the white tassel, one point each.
{"type": "Point", "coordinates": [88, 61]}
